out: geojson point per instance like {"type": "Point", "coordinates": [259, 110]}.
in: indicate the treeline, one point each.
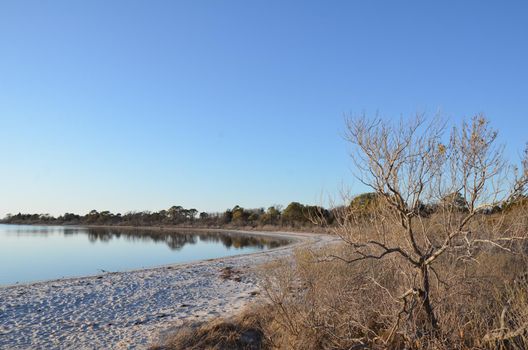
{"type": "Point", "coordinates": [371, 202]}
{"type": "Point", "coordinates": [294, 215]}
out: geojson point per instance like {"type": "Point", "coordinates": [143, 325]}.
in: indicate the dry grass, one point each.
{"type": "Point", "coordinates": [242, 332]}
{"type": "Point", "coordinates": [334, 305]}
{"type": "Point", "coordinates": [320, 303]}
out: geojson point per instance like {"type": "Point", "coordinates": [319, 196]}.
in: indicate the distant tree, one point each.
{"type": "Point", "coordinates": [318, 215]}
{"type": "Point", "coordinates": [454, 200]}
{"type": "Point", "coordinates": [174, 213]}
{"type": "Point", "coordinates": [271, 216]}
{"type": "Point", "coordinates": [240, 216]}
{"type": "Point", "coordinates": [92, 217]}
{"type": "Point", "coordinates": [294, 214]}
{"type": "Point", "coordinates": [253, 217]}
{"type": "Point", "coordinates": [69, 217]}
{"type": "Point", "coordinates": [163, 214]}
{"type": "Point", "coordinates": [227, 217]}
{"type": "Point", "coordinates": [365, 201]}
{"type": "Point", "coordinates": [191, 213]}
{"type": "Point", "coordinates": [519, 202]}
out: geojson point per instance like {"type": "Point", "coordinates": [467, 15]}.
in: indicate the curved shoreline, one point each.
{"type": "Point", "coordinates": [124, 310]}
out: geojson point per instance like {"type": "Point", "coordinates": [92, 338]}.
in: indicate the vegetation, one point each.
{"type": "Point", "coordinates": [244, 332]}
{"type": "Point", "coordinates": [317, 303]}
{"type": "Point", "coordinates": [295, 215]}
{"type": "Point", "coordinates": [433, 258]}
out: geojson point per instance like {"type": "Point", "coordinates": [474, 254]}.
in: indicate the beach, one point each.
{"type": "Point", "coordinates": [133, 309]}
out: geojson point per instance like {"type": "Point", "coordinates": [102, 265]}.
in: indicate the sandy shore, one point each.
{"type": "Point", "coordinates": [128, 310]}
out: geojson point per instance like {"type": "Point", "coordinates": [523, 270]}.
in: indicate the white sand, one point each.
{"type": "Point", "coordinates": [128, 310]}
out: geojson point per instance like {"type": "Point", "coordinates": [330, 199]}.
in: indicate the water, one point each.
{"type": "Point", "coordinates": [36, 253]}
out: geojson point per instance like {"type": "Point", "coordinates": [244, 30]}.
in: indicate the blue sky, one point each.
{"type": "Point", "coordinates": [140, 105]}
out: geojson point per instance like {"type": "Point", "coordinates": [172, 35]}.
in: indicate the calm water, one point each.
{"type": "Point", "coordinates": [35, 253]}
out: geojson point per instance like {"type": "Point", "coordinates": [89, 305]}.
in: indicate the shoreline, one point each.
{"type": "Point", "coordinates": [130, 309]}
{"type": "Point", "coordinates": [235, 228]}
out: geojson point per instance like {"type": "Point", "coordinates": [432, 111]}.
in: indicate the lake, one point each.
{"type": "Point", "coordinates": [37, 253]}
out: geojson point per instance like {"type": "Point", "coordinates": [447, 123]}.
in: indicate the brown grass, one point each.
{"type": "Point", "coordinates": [242, 332]}
{"type": "Point", "coordinates": [319, 303]}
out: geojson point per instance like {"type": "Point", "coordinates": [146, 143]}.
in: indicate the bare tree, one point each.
{"type": "Point", "coordinates": [432, 189]}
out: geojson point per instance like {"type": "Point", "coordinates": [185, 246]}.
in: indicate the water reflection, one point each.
{"type": "Point", "coordinates": [177, 240]}
{"type": "Point", "coordinates": [173, 239]}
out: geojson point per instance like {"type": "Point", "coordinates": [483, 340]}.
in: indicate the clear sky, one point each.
{"type": "Point", "coordinates": [140, 105]}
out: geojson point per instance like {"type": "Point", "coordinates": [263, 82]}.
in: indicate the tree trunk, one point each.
{"type": "Point", "coordinates": [425, 295]}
